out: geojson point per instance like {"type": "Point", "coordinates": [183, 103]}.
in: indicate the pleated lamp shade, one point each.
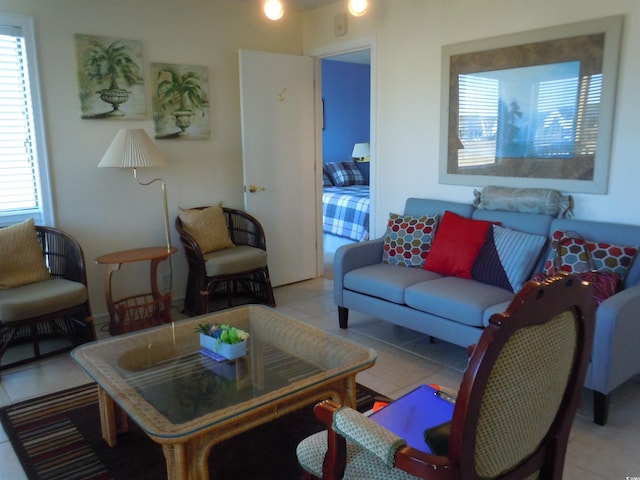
{"type": "Point", "coordinates": [132, 148]}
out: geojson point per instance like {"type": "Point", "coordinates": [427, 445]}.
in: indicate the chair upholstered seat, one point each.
{"type": "Point", "coordinates": [41, 298]}
{"type": "Point", "coordinates": [241, 258]}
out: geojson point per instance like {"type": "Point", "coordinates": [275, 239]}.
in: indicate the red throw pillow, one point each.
{"type": "Point", "coordinates": [456, 245]}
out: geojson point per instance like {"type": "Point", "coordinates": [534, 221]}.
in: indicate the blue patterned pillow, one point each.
{"type": "Point", "coordinates": [326, 180]}
{"type": "Point", "coordinates": [507, 257]}
{"type": "Point", "coordinates": [343, 174]}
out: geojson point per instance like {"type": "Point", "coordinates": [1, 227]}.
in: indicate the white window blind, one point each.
{"type": "Point", "coordinates": [21, 174]}
{"type": "Point", "coordinates": [478, 124]}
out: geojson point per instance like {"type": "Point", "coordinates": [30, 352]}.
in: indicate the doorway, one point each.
{"type": "Point", "coordinates": [347, 79]}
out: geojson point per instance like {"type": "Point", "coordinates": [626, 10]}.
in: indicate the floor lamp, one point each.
{"type": "Point", "coordinates": [132, 148]}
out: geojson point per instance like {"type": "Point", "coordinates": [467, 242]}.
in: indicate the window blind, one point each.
{"type": "Point", "coordinates": [20, 193]}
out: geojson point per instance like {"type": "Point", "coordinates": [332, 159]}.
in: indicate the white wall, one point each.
{"type": "Point", "coordinates": [104, 208]}
{"type": "Point", "coordinates": [410, 35]}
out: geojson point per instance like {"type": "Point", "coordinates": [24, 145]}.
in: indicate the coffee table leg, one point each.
{"type": "Point", "coordinates": [113, 420]}
{"type": "Point", "coordinates": [350, 390]}
{"type": "Point", "coordinates": [185, 461]}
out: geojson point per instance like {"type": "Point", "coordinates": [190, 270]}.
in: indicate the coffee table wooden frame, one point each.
{"type": "Point", "coordinates": [187, 446]}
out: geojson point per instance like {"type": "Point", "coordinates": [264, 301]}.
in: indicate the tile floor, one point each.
{"type": "Point", "coordinates": [405, 360]}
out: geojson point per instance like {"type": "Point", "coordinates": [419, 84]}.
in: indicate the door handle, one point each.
{"type": "Point", "coordinates": [255, 188]}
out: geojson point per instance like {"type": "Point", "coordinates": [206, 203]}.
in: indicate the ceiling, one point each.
{"type": "Point", "coordinates": [361, 56]}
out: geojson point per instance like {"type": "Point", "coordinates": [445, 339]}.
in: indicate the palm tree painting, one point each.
{"type": "Point", "coordinates": [180, 98]}
{"type": "Point", "coordinates": [110, 78]}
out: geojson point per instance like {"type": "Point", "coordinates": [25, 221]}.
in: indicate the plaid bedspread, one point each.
{"type": "Point", "coordinates": [345, 211]}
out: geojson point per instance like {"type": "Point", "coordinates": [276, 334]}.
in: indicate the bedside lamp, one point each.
{"type": "Point", "coordinates": [132, 148]}
{"type": "Point", "coordinates": [361, 152]}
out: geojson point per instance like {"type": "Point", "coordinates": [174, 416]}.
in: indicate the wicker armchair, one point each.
{"type": "Point", "coordinates": [239, 271]}
{"type": "Point", "coordinates": [514, 409]}
{"type": "Point", "coordinates": [59, 306]}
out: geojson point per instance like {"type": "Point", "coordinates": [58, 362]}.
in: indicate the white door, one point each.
{"type": "Point", "coordinates": [278, 156]}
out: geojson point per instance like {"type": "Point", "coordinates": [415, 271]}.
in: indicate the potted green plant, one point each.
{"type": "Point", "coordinates": [229, 342]}
{"type": "Point", "coordinates": [111, 63]}
{"type": "Point", "coordinates": [180, 94]}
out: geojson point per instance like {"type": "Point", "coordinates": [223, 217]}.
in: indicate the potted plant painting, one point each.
{"type": "Point", "coordinates": [181, 95]}
{"type": "Point", "coordinates": [111, 64]}
{"type": "Point", "coordinates": [224, 340]}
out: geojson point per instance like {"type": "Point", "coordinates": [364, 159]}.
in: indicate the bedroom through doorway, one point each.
{"type": "Point", "coordinates": [346, 139]}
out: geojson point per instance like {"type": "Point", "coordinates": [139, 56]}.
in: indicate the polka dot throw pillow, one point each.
{"type": "Point", "coordinates": [407, 240]}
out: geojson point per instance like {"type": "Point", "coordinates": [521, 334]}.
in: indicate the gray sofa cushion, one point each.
{"type": "Point", "coordinates": [386, 281]}
{"type": "Point", "coordinates": [497, 308]}
{"type": "Point", "coordinates": [535, 223]}
{"type": "Point", "coordinates": [458, 299]}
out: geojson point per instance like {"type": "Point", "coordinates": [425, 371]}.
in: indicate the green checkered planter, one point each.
{"type": "Point", "coordinates": [407, 240]}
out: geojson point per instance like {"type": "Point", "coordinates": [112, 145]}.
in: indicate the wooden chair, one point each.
{"type": "Point", "coordinates": [59, 306]}
{"type": "Point", "coordinates": [228, 273]}
{"type": "Point", "coordinates": [514, 409]}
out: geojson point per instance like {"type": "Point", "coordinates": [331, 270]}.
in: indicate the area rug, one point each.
{"type": "Point", "coordinates": [58, 437]}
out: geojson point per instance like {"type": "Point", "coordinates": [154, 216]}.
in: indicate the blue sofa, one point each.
{"type": "Point", "coordinates": [457, 309]}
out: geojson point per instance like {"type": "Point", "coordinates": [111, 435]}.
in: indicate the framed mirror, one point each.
{"type": "Point", "coordinates": [532, 109]}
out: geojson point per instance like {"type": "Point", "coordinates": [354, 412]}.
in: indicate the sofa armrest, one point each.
{"type": "Point", "coordinates": [616, 356]}
{"type": "Point", "coordinates": [352, 256]}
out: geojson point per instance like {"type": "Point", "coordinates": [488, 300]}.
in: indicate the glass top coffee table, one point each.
{"type": "Point", "coordinates": [188, 402]}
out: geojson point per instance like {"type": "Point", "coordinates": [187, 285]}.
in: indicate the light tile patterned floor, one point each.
{"type": "Point", "coordinates": [405, 360]}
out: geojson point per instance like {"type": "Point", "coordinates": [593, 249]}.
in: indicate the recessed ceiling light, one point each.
{"type": "Point", "coordinates": [273, 9]}
{"type": "Point", "coordinates": [357, 8]}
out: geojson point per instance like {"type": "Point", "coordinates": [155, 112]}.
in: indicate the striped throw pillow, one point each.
{"type": "Point", "coordinates": [507, 257]}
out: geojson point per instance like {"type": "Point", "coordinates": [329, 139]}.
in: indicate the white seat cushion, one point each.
{"type": "Point", "coordinates": [241, 258]}
{"type": "Point", "coordinates": [41, 298]}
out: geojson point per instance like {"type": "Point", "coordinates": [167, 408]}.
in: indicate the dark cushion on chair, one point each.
{"type": "Point", "coordinates": [42, 298]}
{"type": "Point", "coordinates": [234, 260]}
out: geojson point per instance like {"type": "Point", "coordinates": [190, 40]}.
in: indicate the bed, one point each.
{"type": "Point", "coordinates": [345, 201]}
{"type": "Point", "coordinates": [345, 211]}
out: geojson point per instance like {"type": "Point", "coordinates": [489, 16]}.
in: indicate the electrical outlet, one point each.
{"type": "Point", "coordinates": [165, 281]}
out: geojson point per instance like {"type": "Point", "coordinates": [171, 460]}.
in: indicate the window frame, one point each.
{"type": "Point", "coordinates": [39, 146]}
